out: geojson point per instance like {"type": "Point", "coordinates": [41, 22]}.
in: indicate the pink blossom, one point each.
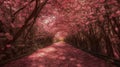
{"type": "Point", "coordinates": [116, 29]}
{"type": "Point", "coordinates": [1, 34]}
{"type": "Point", "coordinates": [101, 18]}
{"type": "Point", "coordinates": [113, 15]}
{"type": "Point", "coordinates": [102, 1]}
{"type": "Point", "coordinates": [118, 12]}
{"type": "Point", "coordinates": [8, 36]}
{"type": "Point", "coordinates": [8, 45]}
{"type": "Point", "coordinates": [19, 25]}
{"type": "Point", "coordinates": [2, 48]}
{"type": "Point", "coordinates": [12, 25]}
{"type": "Point", "coordinates": [87, 23]}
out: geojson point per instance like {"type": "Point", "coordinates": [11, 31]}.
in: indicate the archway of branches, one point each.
{"type": "Point", "coordinates": [93, 26]}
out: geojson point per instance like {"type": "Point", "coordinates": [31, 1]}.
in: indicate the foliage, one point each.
{"type": "Point", "coordinates": [90, 25]}
{"type": "Point", "coordinates": [18, 34]}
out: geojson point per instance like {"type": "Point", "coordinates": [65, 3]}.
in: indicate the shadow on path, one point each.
{"type": "Point", "coordinates": [59, 55]}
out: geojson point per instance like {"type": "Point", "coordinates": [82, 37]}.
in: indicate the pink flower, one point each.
{"type": "Point", "coordinates": [1, 34]}
{"type": "Point", "coordinates": [2, 48]}
{"type": "Point", "coordinates": [8, 45]}
{"type": "Point", "coordinates": [113, 15]}
{"type": "Point", "coordinates": [118, 12]}
{"type": "Point", "coordinates": [8, 36]}
{"type": "Point", "coordinates": [102, 1]}
{"type": "Point", "coordinates": [101, 18]}
{"type": "Point", "coordinates": [87, 23]}
{"type": "Point", "coordinates": [12, 25]}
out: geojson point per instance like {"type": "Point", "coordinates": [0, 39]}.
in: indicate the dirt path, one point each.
{"type": "Point", "coordinates": [59, 55]}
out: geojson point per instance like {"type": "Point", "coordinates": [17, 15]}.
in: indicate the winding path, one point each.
{"type": "Point", "coordinates": [59, 55]}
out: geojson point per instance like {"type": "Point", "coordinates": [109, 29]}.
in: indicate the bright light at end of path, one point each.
{"type": "Point", "coordinates": [60, 36]}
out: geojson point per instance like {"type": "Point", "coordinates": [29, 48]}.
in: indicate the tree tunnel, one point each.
{"type": "Point", "coordinates": [88, 25]}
